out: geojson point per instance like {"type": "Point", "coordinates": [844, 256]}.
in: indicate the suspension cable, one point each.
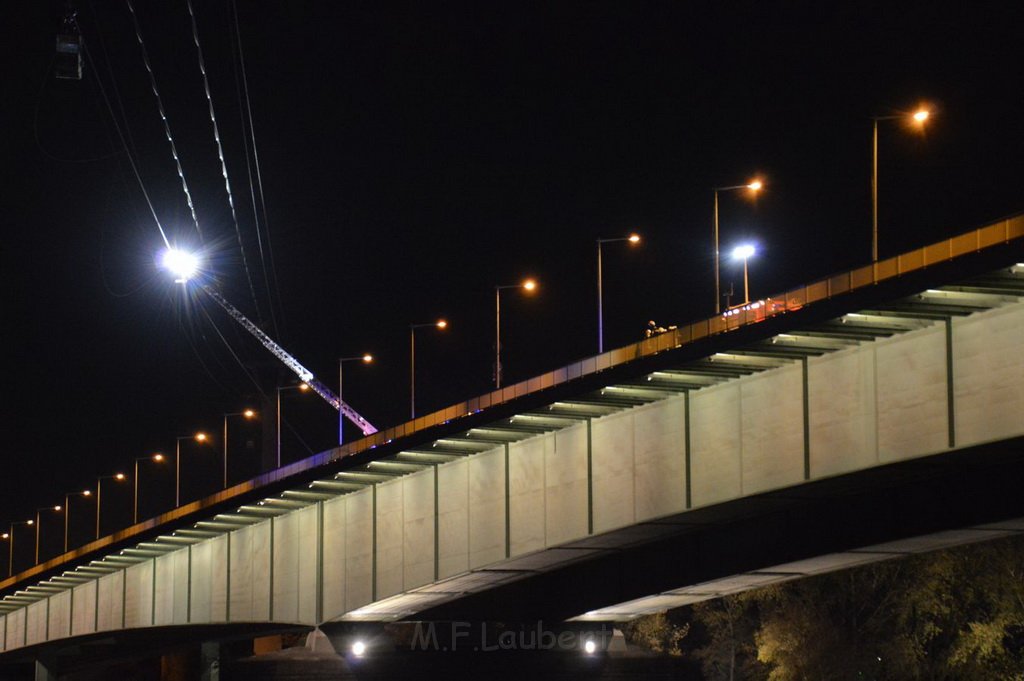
{"type": "Point", "coordinates": [272, 276]}
{"type": "Point", "coordinates": [220, 155]}
{"type": "Point", "coordinates": [163, 116]}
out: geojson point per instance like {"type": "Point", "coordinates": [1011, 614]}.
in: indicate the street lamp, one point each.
{"type": "Point", "coordinates": [753, 187]}
{"type": "Point", "coordinates": [67, 511]}
{"type": "Point", "coordinates": [119, 477]}
{"type": "Point", "coordinates": [916, 119]}
{"type": "Point", "coordinates": [365, 359]}
{"type": "Point", "coordinates": [633, 239]}
{"type": "Point", "coordinates": [529, 286]}
{"type": "Point", "coordinates": [198, 437]}
{"type": "Point", "coordinates": [56, 509]}
{"type": "Point", "coordinates": [9, 535]}
{"type": "Point", "coordinates": [743, 253]}
{"type": "Point", "coordinates": [158, 458]}
{"type": "Point", "coordinates": [247, 414]}
{"type": "Point", "coordinates": [440, 324]}
{"type": "Point", "coordinates": [302, 387]}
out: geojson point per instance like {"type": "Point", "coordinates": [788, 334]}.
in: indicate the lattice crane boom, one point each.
{"type": "Point", "coordinates": [304, 374]}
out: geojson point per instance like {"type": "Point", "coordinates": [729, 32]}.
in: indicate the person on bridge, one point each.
{"type": "Point", "coordinates": [653, 329]}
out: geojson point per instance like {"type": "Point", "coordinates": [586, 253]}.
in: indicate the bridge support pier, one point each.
{"type": "Point", "coordinates": [209, 662]}
{"type": "Point", "coordinates": [45, 670]}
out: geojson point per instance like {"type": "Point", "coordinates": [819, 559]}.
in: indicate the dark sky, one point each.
{"type": "Point", "coordinates": [413, 157]}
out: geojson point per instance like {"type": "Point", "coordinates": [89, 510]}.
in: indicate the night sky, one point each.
{"type": "Point", "coordinates": [412, 158]}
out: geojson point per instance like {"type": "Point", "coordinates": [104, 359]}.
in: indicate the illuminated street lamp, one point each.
{"type": "Point", "coordinates": [917, 120]}
{"type": "Point", "coordinates": [743, 253]}
{"type": "Point", "coordinates": [118, 477]}
{"type": "Point", "coordinates": [67, 511]}
{"type": "Point", "coordinates": [248, 415]}
{"type": "Point", "coordinates": [753, 187]}
{"type": "Point", "coordinates": [365, 359]}
{"type": "Point", "coordinates": [9, 536]}
{"type": "Point", "coordinates": [633, 239]}
{"type": "Point", "coordinates": [440, 324]}
{"type": "Point", "coordinates": [56, 509]}
{"type": "Point", "coordinates": [158, 458]}
{"type": "Point", "coordinates": [529, 286]}
{"type": "Point", "coordinates": [301, 387]}
{"type": "Point", "coordinates": [199, 437]}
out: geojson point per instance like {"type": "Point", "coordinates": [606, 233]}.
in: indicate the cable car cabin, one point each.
{"type": "Point", "coordinates": [68, 64]}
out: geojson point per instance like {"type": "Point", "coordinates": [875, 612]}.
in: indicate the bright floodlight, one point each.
{"type": "Point", "coordinates": [634, 238]}
{"type": "Point", "coordinates": [743, 252]}
{"type": "Point", "coordinates": [120, 477]}
{"type": "Point", "coordinates": [441, 324]}
{"type": "Point", "coordinates": [921, 115]}
{"type": "Point", "coordinates": [529, 284]}
{"type": "Point", "coordinates": [590, 647]}
{"type": "Point", "coordinates": [248, 413]}
{"type": "Point", "coordinates": [201, 437]}
{"type": "Point", "coordinates": [358, 648]}
{"type": "Point", "coordinates": [367, 358]}
{"type": "Point", "coordinates": [181, 264]}
{"type": "Point", "coordinates": [755, 186]}
{"type": "Point", "coordinates": [86, 493]}
{"type": "Point", "coordinates": [158, 457]}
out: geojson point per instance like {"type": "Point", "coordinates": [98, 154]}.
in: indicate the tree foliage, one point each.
{"type": "Point", "coordinates": [954, 614]}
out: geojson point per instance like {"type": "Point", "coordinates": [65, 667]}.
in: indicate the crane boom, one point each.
{"type": "Point", "coordinates": [302, 372]}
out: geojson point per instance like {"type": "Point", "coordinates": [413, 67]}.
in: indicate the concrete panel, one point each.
{"type": "Point", "coordinates": [659, 452]}
{"type": "Point", "coordinates": [565, 492]}
{"type": "Point", "coordinates": [841, 406]}
{"type": "Point", "coordinates": [3, 633]}
{"type": "Point", "coordinates": [110, 601]}
{"type": "Point", "coordinates": [262, 548]}
{"type": "Point", "coordinates": [15, 634]}
{"type": "Point", "coordinates": [334, 558]}
{"type": "Point", "coordinates": [240, 580]}
{"type": "Point", "coordinates": [218, 576]}
{"type": "Point", "coordinates": [138, 596]}
{"type": "Point", "coordinates": [715, 427]}
{"type": "Point", "coordinates": [286, 567]}
{"type": "Point", "coordinates": [83, 608]}
{"type": "Point", "coordinates": [172, 597]}
{"type": "Point", "coordinates": [772, 445]}
{"type": "Point", "coordinates": [35, 623]}
{"type": "Point", "coordinates": [988, 371]}
{"type": "Point", "coordinates": [358, 549]}
{"type": "Point", "coordinates": [201, 583]}
{"type": "Point", "coordinates": [453, 518]}
{"type": "Point", "coordinates": [308, 551]}
{"type": "Point", "coordinates": [250, 573]}
{"type": "Point", "coordinates": [390, 538]}
{"type": "Point", "coordinates": [487, 507]}
{"type": "Point", "coordinates": [911, 379]}
{"type": "Point", "coordinates": [527, 494]}
{"type": "Point", "coordinates": [612, 442]}
{"type": "Point", "coordinates": [418, 529]}
{"type": "Point", "coordinates": [59, 615]}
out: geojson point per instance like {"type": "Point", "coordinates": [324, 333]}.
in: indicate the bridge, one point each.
{"type": "Point", "coordinates": [868, 415]}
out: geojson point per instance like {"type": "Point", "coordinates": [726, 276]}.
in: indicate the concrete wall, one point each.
{"type": "Point", "coordinates": [860, 407]}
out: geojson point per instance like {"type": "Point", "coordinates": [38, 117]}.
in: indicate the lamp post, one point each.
{"type": "Point", "coordinates": [743, 253]}
{"type": "Point", "coordinates": [56, 509]}
{"type": "Point", "coordinates": [302, 387]}
{"type": "Point", "coordinates": [120, 477]}
{"type": "Point", "coordinates": [247, 414]}
{"type": "Point", "coordinates": [918, 119]}
{"type": "Point", "coordinates": [753, 186]}
{"type": "Point", "coordinates": [365, 359]}
{"type": "Point", "coordinates": [440, 324]}
{"type": "Point", "coordinates": [158, 458]}
{"type": "Point", "coordinates": [633, 239]}
{"type": "Point", "coordinates": [528, 285]}
{"type": "Point", "coordinates": [198, 437]}
{"type": "Point", "coordinates": [9, 535]}
{"type": "Point", "coordinates": [67, 511]}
